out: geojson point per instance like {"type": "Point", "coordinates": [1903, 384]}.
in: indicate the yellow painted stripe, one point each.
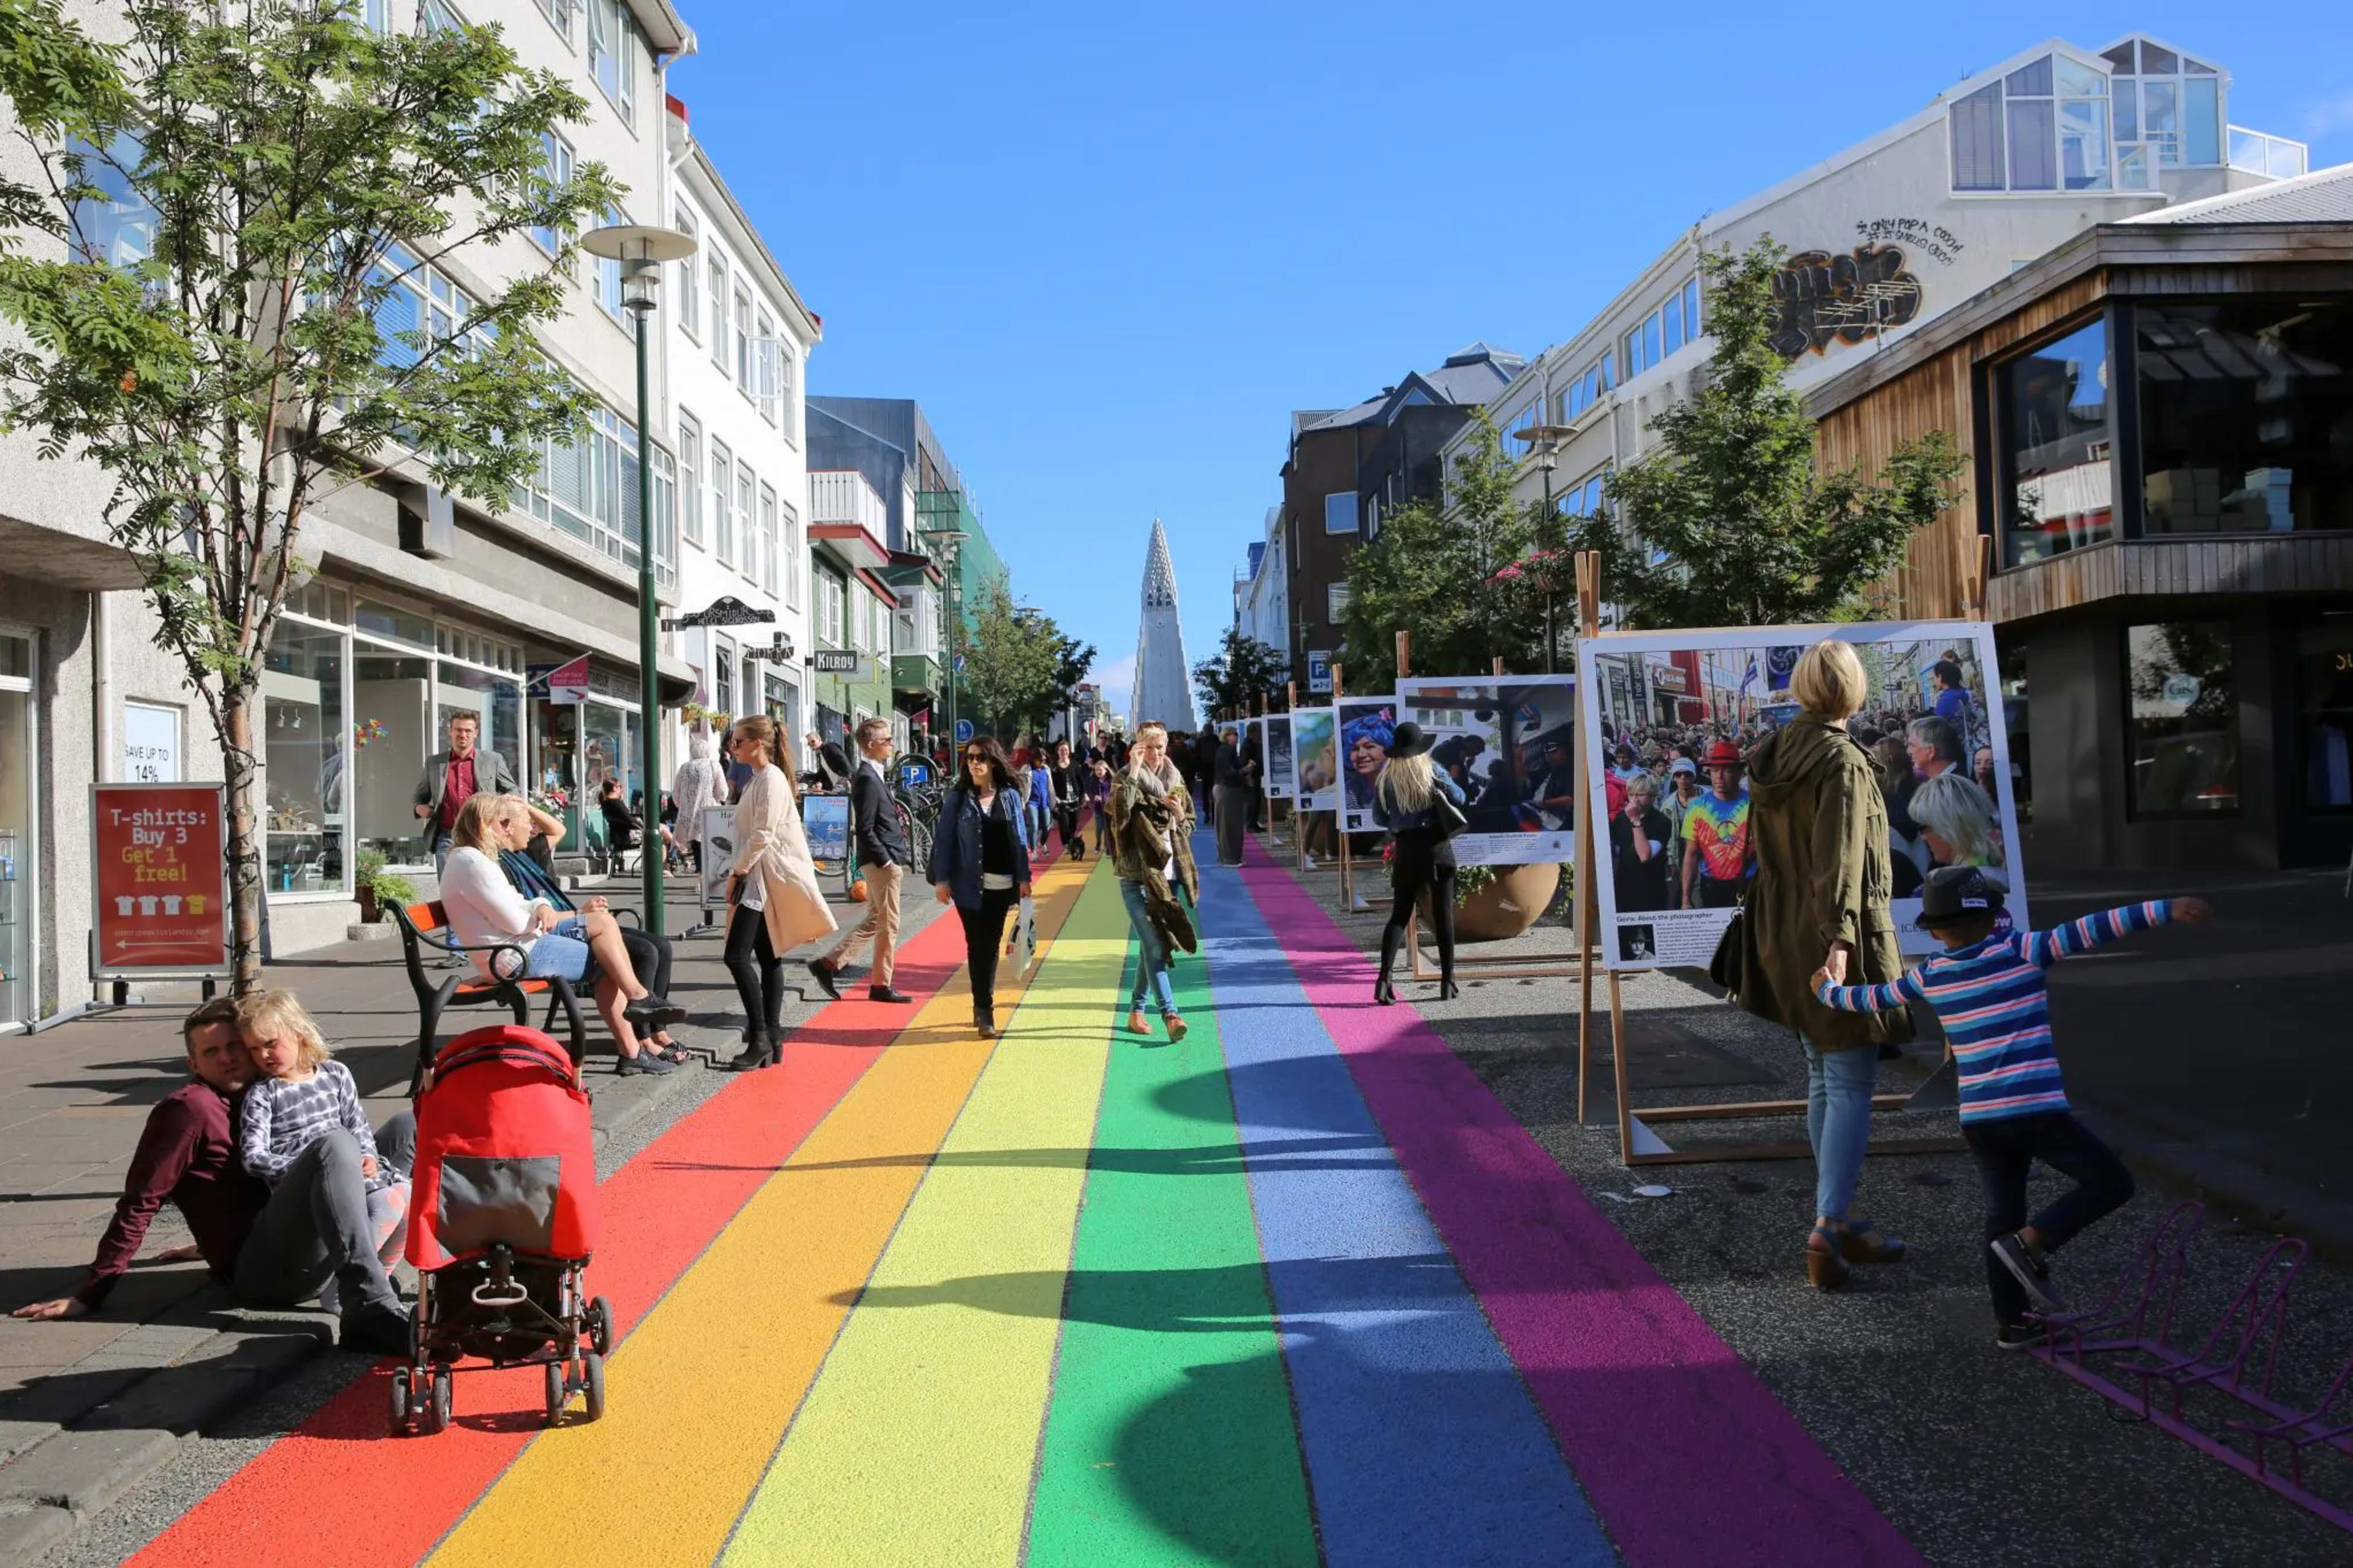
{"type": "Point", "coordinates": [700, 1392]}
{"type": "Point", "coordinates": [917, 1442]}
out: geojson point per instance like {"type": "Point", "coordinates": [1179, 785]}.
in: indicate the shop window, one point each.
{"type": "Point", "coordinates": [303, 760]}
{"type": "Point", "coordinates": [19, 875]}
{"type": "Point", "coordinates": [392, 734]}
{"type": "Point", "coordinates": [2246, 415]}
{"type": "Point", "coordinates": [397, 625]}
{"type": "Point", "coordinates": [2055, 445]}
{"type": "Point", "coordinates": [2182, 720]}
{"type": "Point", "coordinates": [2324, 665]}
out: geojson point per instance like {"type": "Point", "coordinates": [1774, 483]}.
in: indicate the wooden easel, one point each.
{"type": "Point", "coordinates": [1637, 1144]}
{"type": "Point", "coordinates": [1556, 968]}
{"type": "Point", "coordinates": [1340, 808]}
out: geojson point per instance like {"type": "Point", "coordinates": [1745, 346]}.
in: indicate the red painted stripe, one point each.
{"type": "Point", "coordinates": [339, 1491]}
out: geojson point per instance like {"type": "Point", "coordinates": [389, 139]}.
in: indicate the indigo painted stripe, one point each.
{"type": "Point", "coordinates": [1422, 1446]}
{"type": "Point", "coordinates": [1685, 1455]}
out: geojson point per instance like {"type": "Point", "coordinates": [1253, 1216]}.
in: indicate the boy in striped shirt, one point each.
{"type": "Point", "coordinates": [1987, 989]}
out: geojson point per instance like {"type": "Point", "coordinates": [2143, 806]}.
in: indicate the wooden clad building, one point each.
{"type": "Point", "coordinates": [2155, 510]}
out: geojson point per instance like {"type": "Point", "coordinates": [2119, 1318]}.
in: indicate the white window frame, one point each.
{"type": "Point", "coordinates": [560, 13]}
{"type": "Point", "coordinates": [690, 463]}
{"type": "Point", "coordinates": [556, 158]}
{"type": "Point", "coordinates": [788, 390]}
{"type": "Point", "coordinates": [613, 37]}
{"type": "Point", "coordinates": [722, 502]}
{"type": "Point", "coordinates": [1337, 596]}
{"type": "Point", "coordinates": [722, 668]}
{"type": "Point", "coordinates": [768, 541]}
{"type": "Point", "coordinates": [1346, 512]}
{"type": "Point", "coordinates": [717, 277]}
{"type": "Point", "coordinates": [747, 485]}
{"type": "Point", "coordinates": [788, 540]}
{"type": "Point", "coordinates": [604, 280]}
{"type": "Point", "coordinates": [690, 278]}
{"type": "Point", "coordinates": [765, 350]}
{"type": "Point", "coordinates": [742, 362]}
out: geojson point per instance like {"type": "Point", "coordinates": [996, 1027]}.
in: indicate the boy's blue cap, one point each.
{"type": "Point", "coordinates": [1956, 893]}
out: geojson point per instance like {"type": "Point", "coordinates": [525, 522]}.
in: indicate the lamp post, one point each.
{"type": "Point", "coordinates": [1546, 441]}
{"type": "Point", "coordinates": [950, 539]}
{"type": "Point", "coordinates": [641, 249]}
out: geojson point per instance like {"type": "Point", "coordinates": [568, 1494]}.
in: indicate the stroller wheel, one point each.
{"type": "Point", "coordinates": [555, 1392]}
{"type": "Point", "coordinates": [436, 1409]}
{"type": "Point", "coordinates": [593, 1364]}
{"type": "Point", "coordinates": [600, 1325]}
{"type": "Point", "coordinates": [400, 1402]}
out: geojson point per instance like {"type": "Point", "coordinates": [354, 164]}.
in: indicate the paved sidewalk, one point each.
{"type": "Point", "coordinates": [90, 1406]}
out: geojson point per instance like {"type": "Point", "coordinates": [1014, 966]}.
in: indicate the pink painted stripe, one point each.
{"type": "Point", "coordinates": [1686, 1455]}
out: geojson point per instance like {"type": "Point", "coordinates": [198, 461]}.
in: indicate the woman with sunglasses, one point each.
{"type": "Point", "coordinates": [772, 890]}
{"type": "Point", "coordinates": [980, 863]}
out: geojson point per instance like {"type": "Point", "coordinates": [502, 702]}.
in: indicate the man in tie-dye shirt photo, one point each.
{"type": "Point", "coordinates": [1718, 856]}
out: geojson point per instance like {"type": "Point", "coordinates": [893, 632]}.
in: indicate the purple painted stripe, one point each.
{"type": "Point", "coordinates": [1686, 1457]}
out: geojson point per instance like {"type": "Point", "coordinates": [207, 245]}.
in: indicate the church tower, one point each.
{"type": "Point", "coordinates": [1164, 682]}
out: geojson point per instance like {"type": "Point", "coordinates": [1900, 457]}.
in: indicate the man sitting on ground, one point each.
{"type": "Point", "coordinates": [187, 1154]}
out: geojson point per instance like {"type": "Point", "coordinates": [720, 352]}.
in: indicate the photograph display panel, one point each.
{"type": "Point", "coordinates": [1509, 742]}
{"type": "Point", "coordinates": [1280, 774]}
{"type": "Point", "coordinates": [1315, 755]}
{"type": "Point", "coordinates": [1672, 718]}
{"type": "Point", "coordinates": [1368, 725]}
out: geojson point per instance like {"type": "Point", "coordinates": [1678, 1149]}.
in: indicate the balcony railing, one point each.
{"type": "Point", "coordinates": [843, 495]}
{"type": "Point", "coordinates": [2260, 154]}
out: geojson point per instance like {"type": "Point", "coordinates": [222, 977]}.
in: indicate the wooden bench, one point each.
{"type": "Point", "coordinates": [427, 925]}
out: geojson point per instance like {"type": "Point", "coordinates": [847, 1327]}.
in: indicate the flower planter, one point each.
{"type": "Point", "coordinates": [1513, 901]}
{"type": "Point", "coordinates": [369, 912]}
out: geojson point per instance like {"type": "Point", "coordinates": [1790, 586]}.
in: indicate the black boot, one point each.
{"type": "Point", "coordinates": [1391, 940]}
{"type": "Point", "coordinates": [760, 1053]}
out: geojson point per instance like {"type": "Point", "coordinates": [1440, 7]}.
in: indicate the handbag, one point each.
{"type": "Point", "coordinates": [1445, 815]}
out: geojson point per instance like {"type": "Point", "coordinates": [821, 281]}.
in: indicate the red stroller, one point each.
{"type": "Point", "coordinates": [502, 1223]}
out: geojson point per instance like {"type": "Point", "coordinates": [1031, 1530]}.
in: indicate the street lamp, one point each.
{"type": "Point", "coordinates": [1546, 439]}
{"type": "Point", "coordinates": [641, 249]}
{"type": "Point", "coordinates": [950, 539]}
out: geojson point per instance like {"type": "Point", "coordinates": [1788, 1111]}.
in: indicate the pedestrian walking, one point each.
{"type": "Point", "coordinates": [878, 840]}
{"type": "Point", "coordinates": [1069, 778]}
{"type": "Point", "coordinates": [772, 888]}
{"type": "Point", "coordinates": [453, 777]}
{"type": "Point", "coordinates": [1040, 798]}
{"type": "Point", "coordinates": [1098, 783]}
{"type": "Point", "coordinates": [980, 863]}
{"type": "Point", "coordinates": [698, 783]}
{"type": "Point", "coordinates": [1987, 989]}
{"type": "Point", "coordinates": [1407, 800]}
{"type": "Point", "coordinates": [1148, 827]}
{"type": "Point", "coordinates": [1821, 857]}
{"type": "Point", "coordinates": [1233, 778]}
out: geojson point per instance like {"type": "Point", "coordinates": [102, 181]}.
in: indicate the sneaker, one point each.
{"type": "Point", "coordinates": [824, 974]}
{"type": "Point", "coordinates": [644, 1061]}
{"type": "Point", "coordinates": [2018, 1336]}
{"type": "Point", "coordinates": [648, 1014]}
{"type": "Point", "coordinates": [376, 1329]}
{"type": "Point", "coordinates": [2028, 1267]}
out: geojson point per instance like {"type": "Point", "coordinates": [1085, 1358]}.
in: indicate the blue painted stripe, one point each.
{"type": "Point", "coordinates": [1423, 1444]}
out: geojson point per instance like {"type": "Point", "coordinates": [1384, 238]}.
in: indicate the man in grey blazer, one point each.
{"type": "Point", "coordinates": [451, 777]}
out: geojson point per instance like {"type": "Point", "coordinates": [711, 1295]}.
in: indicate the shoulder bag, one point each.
{"type": "Point", "coordinates": [1445, 815]}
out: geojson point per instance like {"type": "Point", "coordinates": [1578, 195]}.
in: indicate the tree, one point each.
{"type": "Point", "coordinates": [1727, 521]}
{"type": "Point", "coordinates": [1445, 573]}
{"type": "Point", "coordinates": [1010, 660]}
{"type": "Point", "coordinates": [1244, 670]}
{"type": "Point", "coordinates": [1072, 660]}
{"type": "Point", "coordinates": [245, 353]}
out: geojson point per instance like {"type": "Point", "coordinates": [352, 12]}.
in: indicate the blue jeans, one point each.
{"type": "Point", "coordinates": [563, 950]}
{"type": "Point", "coordinates": [1152, 956]}
{"type": "Point", "coordinates": [1837, 1120]}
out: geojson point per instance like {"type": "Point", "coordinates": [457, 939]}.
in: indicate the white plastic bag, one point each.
{"type": "Point", "coordinates": [1022, 950]}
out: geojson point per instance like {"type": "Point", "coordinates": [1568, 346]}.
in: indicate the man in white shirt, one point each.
{"type": "Point", "coordinates": [880, 841]}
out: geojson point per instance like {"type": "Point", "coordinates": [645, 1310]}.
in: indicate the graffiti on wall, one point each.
{"type": "Point", "coordinates": [1860, 295]}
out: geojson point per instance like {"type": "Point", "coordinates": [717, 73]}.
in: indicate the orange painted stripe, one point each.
{"type": "Point", "coordinates": [338, 1491]}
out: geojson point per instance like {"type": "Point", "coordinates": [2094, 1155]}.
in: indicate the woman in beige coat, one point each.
{"type": "Point", "coordinates": [772, 888]}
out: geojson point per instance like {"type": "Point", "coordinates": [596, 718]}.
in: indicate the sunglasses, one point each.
{"type": "Point", "coordinates": [976, 756]}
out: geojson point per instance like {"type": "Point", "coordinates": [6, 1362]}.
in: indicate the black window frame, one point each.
{"type": "Point", "coordinates": [2124, 436]}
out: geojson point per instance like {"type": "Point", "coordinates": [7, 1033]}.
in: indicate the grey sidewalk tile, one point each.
{"type": "Point", "coordinates": [27, 1531]}
{"type": "Point", "coordinates": [15, 1436]}
{"type": "Point", "coordinates": [84, 1471]}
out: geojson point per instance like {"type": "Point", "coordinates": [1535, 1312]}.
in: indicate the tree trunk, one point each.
{"type": "Point", "coordinates": [242, 774]}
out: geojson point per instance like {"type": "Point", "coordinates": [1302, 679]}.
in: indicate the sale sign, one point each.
{"type": "Point", "coordinates": [158, 852]}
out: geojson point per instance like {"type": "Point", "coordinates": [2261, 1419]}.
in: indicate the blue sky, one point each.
{"type": "Point", "coordinates": [1109, 248]}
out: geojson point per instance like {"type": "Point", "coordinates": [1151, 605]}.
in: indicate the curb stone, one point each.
{"type": "Point", "coordinates": [81, 1472]}
{"type": "Point", "coordinates": [27, 1531]}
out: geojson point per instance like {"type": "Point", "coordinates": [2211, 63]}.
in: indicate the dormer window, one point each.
{"type": "Point", "coordinates": [2043, 127]}
{"type": "Point", "coordinates": [2167, 112]}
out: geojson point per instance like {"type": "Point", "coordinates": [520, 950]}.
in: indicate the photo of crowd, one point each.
{"type": "Point", "coordinates": [1510, 745]}
{"type": "Point", "coordinates": [1315, 756]}
{"type": "Point", "coordinates": [1671, 719]}
{"type": "Point", "coordinates": [1279, 770]}
{"type": "Point", "coordinates": [1368, 725]}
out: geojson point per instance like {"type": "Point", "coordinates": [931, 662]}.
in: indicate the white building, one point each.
{"type": "Point", "coordinates": [1164, 682]}
{"type": "Point", "coordinates": [1262, 589]}
{"type": "Point", "coordinates": [421, 607]}
{"type": "Point", "coordinates": [739, 342]}
{"type": "Point", "coordinates": [1886, 235]}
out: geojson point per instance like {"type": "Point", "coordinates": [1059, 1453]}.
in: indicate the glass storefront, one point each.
{"type": "Point", "coordinates": [349, 717]}
{"type": "Point", "coordinates": [2055, 446]}
{"type": "Point", "coordinates": [554, 783]}
{"type": "Point", "coordinates": [2182, 719]}
{"type": "Point", "coordinates": [303, 759]}
{"type": "Point", "coordinates": [2324, 670]}
{"type": "Point", "coordinates": [2245, 414]}
{"type": "Point", "coordinates": [18, 991]}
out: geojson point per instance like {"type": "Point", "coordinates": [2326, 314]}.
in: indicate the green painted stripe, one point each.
{"type": "Point", "coordinates": [1170, 1437]}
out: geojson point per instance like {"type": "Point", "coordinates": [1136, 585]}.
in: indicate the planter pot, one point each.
{"type": "Point", "coordinates": [1506, 906]}
{"type": "Point", "coordinates": [369, 911]}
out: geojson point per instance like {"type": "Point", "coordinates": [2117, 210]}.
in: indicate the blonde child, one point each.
{"type": "Point", "coordinates": [300, 1094]}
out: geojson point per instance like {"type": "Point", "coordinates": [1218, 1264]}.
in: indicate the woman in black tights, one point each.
{"type": "Point", "coordinates": [776, 903]}
{"type": "Point", "coordinates": [1406, 802]}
